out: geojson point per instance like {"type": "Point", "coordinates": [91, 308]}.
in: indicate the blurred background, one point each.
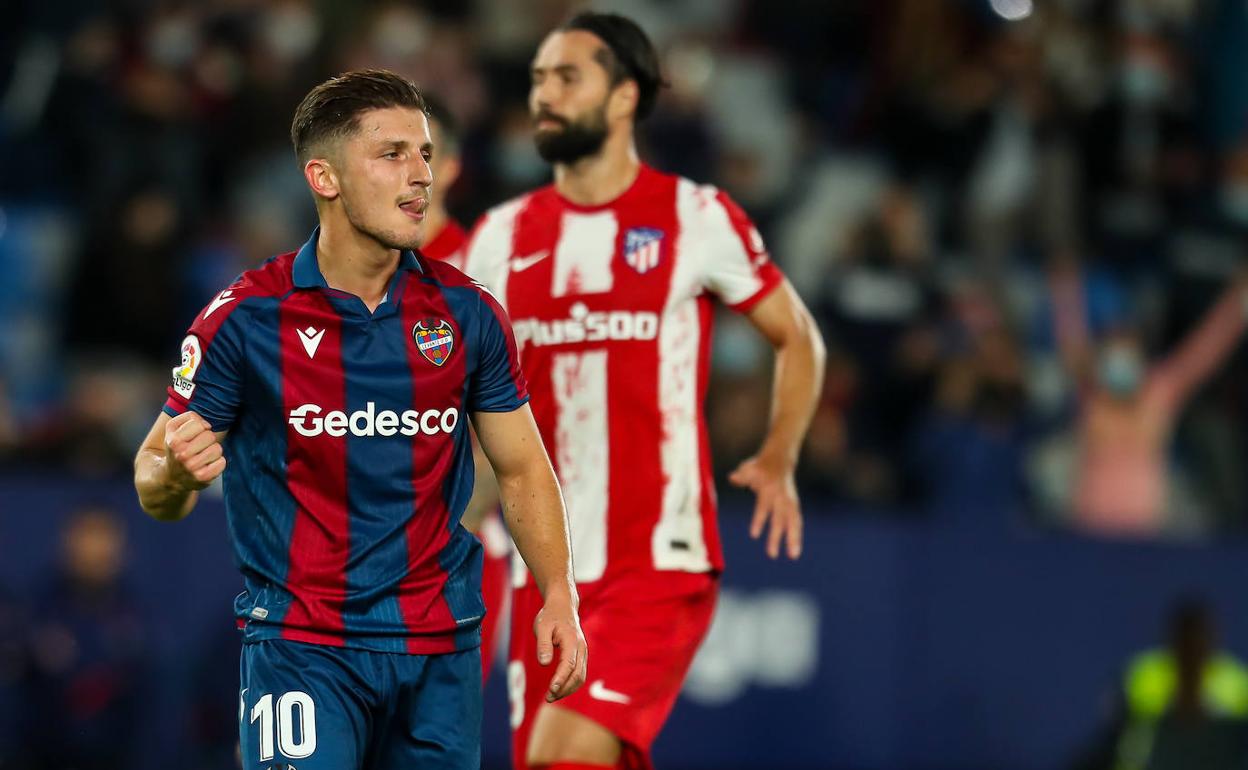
{"type": "Point", "coordinates": [1021, 226]}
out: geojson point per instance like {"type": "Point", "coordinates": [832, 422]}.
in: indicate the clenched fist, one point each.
{"type": "Point", "coordinates": [194, 453]}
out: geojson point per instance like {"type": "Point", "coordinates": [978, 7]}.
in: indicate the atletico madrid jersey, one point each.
{"type": "Point", "coordinates": [348, 453]}
{"type": "Point", "coordinates": [447, 245]}
{"type": "Point", "coordinates": [611, 307]}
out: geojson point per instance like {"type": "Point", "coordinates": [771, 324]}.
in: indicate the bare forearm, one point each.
{"type": "Point", "coordinates": [1206, 347]}
{"type": "Point", "coordinates": [1070, 324]}
{"type": "Point", "coordinates": [533, 509]}
{"type": "Point", "coordinates": [159, 495]}
{"type": "Point", "coordinates": [795, 392]}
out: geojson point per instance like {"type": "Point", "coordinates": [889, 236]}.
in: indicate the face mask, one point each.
{"type": "Point", "coordinates": [172, 42]}
{"type": "Point", "coordinates": [1144, 83]}
{"type": "Point", "coordinates": [1233, 198]}
{"type": "Point", "coordinates": [399, 35]}
{"type": "Point", "coordinates": [291, 32]}
{"type": "Point", "coordinates": [1121, 371]}
{"type": "Point", "coordinates": [519, 162]}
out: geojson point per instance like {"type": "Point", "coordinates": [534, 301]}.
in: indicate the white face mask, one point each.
{"type": "Point", "coordinates": [1144, 83]}
{"type": "Point", "coordinates": [1120, 371]}
{"type": "Point", "coordinates": [1233, 200]}
{"type": "Point", "coordinates": [400, 34]}
{"type": "Point", "coordinates": [291, 31]}
{"type": "Point", "coordinates": [173, 41]}
{"type": "Point", "coordinates": [519, 162]}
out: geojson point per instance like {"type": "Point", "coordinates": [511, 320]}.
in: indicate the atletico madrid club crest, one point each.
{"type": "Point", "coordinates": [434, 339]}
{"type": "Point", "coordinates": [642, 248]}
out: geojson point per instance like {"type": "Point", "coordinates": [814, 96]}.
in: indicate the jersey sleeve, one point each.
{"type": "Point", "coordinates": [208, 379]}
{"type": "Point", "coordinates": [736, 266]}
{"type": "Point", "coordinates": [496, 384]}
{"type": "Point", "coordinates": [488, 251]}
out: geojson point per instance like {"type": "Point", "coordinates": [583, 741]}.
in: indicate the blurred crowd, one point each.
{"type": "Point", "coordinates": [1020, 225]}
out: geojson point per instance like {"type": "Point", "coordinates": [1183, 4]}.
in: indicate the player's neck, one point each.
{"type": "Point", "coordinates": [600, 178]}
{"type": "Point", "coordinates": [355, 263]}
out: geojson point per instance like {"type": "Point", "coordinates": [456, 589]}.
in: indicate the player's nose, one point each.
{"type": "Point", "coordinates": [542, 97]}
{"type": "Point", "coordinates": [420, 174]}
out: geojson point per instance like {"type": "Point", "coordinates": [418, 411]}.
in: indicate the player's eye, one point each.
{"type": "Point", "coordinates": [392, 155]}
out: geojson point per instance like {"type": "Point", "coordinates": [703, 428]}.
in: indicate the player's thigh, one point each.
{"type": "Point", "coordinates": [435, 720]}
{"type": "Point", "coordinates": [563, 735]}
{"type": "Point", "coordinates": [641, 644]}
{"type": "Point", "coordinates": [301, 704]}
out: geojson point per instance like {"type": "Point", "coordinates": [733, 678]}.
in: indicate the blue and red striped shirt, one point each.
{"type": "Point", "coordinates": [348, 457]}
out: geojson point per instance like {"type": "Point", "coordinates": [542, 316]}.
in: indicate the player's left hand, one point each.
{"type": "Point", "coordinates": [776, 491]}
{"type": "Point", "coordinates": [559, 626]}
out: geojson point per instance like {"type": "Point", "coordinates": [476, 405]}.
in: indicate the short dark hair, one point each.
{"type": "Point", "coordinates": [628, 54]}
{"type": "Point", "coordinates": [437, 111]}
{"type": "Point", "coordinates": [332, 109]}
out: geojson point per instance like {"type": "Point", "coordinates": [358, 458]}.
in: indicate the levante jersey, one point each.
{"type": "Point", "coordinates": [349, 462]}
{"type": "Point", "coordinates": [611, 307]}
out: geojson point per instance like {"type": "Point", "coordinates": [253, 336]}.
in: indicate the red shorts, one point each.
{"type": "Point", "coordinates": [642, 631]}
{"type": "Point", "coordinates": [495, 577]}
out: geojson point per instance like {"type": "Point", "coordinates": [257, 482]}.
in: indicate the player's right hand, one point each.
{"type": "Point", "coordinates": [559, 625]}
{"type": "Point", "coordinates": [193, 451]}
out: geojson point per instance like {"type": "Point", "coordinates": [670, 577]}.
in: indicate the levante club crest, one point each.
{"type": "Point", "coordinates": [434, 339]}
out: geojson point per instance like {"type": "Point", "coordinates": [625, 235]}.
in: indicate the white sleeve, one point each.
{"type": "Point", "coordinates": [735, 264]}
{"type": "Point", "coordinates": [488, 253]}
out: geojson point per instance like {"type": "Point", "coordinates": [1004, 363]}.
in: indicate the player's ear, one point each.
{"type": "Point", "coordinates": [322, 178]}
{"type": "Point", "coordinates": [623, 101]}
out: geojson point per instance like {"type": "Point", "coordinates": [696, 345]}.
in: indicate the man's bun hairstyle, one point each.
{"type": "Point", "coordinates": [629, 54]}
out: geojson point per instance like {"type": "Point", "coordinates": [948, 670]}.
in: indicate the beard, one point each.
{"type": "Point", "coordinates": [387, 237]}
{"type": "Point", "coordinates": [578, 139]}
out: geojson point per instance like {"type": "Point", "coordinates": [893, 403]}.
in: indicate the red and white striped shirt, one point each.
{"type": "Point", "coordinates": [611, 308]}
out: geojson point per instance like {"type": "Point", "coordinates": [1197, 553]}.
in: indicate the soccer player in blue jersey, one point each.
{"type": "Point", "coordinates": [331, 382]}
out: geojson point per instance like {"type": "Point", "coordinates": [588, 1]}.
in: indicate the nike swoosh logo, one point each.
{"type": "Point", "coordinates": [221, 299]}
{"type": "Point", "coordinates": [599, 691]}
{"type": "Point", "coordinates": [524, 263]}
{"type": "Point", "coordinates": [311, 339]}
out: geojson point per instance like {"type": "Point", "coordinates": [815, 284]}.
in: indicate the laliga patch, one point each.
{"type": "Point", "coordinates": [642, 248]}
{"type": "Point", "coordinates": [434, 339]}
{"type": "Point", "coordinates": [184, 374]}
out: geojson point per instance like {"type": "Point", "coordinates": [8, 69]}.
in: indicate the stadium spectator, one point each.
{"type": "Point", "coordinates": [89, 652]}
{"type": "Point", "coordinates": [1128, 405]}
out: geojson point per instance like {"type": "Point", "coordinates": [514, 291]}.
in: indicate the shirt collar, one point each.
{"type": "Point", "coordinates": [306, 272]}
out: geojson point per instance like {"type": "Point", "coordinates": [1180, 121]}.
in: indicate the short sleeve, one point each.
{"type": "Point", "coordinates": [496, 384]}
{"type": "Point", "coordinates": [736, 266]}
{"type": "Point", "coordinates": [488, 251]}
{"type": "Point", "coordinates": [208, 377]}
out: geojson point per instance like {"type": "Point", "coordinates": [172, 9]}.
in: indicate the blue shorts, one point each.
{"type": "Point", "coordinates": [314, 707]}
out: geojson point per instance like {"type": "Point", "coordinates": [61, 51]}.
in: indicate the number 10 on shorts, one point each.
{"type": "Point", "coordinates": [292, 724]}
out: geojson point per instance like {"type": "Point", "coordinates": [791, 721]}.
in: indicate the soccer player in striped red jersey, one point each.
{"type": "Point", "coordinates": [332, 381]}
{"type": "Point", "coordinates": [444, 237]}
{"type": "Point", "coordinates": [445, 241]}
{"type": "Point", "coordinates": [609, 276]}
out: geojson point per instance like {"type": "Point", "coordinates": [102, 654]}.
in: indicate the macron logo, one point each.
{"type": "Point", "coordinates": [221, 299]}
{"type": "Point", "coordinates": [311, 339]}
